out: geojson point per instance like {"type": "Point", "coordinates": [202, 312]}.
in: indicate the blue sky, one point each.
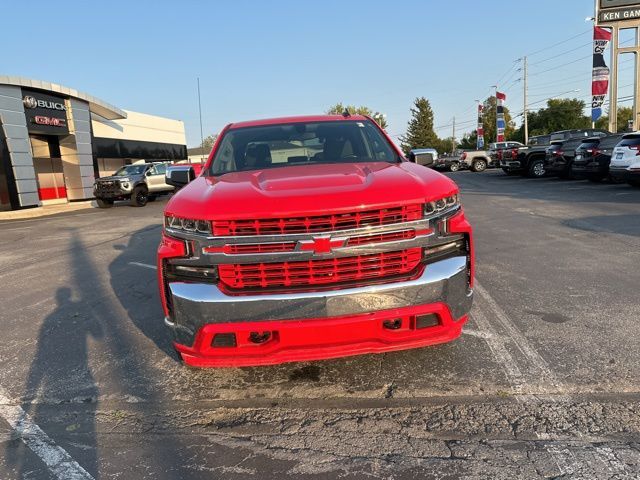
{"type": "Point", "coordinates": [259, 59]}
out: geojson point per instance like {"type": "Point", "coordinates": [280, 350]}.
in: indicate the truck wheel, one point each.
{"type": "Point", "coordinates": [140, 196]}
{"type": "Point", "coordinates": [536, 169]}
{"type": "Point", "coordinates": [479, 165]}
{"type": "Point", "coordinates": [104, 202]}
{"type": "Point", "coordinates": [454, 167]}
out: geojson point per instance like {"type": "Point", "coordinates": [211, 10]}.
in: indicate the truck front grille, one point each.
{"type": "Point", "coordinates": [320, 223]}
{"type": "Point", "coordinates": [320, 272]}
{"type": "Point", "coordinates": [107, 187]}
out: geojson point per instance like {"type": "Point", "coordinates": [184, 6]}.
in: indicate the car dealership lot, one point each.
{"type": "Point", "coordinates": [543, 382]}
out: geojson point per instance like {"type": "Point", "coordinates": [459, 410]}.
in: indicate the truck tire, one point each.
{"type": "Point", "coordinates": [536, 169]}
{"type": "Point", "coordinates": [479, 165]}
{"type": "Point", "coordinates": [104, 202]}
{"type": "Point", "coordinates": [139, 196]}
{"type": "Point", "coordinates": [454, 167]}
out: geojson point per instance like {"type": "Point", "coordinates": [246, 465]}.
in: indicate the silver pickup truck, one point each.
{"type": "Point", "coordinates": [474, 160]}
{"type": "Point", "coordinates": [138, 183]}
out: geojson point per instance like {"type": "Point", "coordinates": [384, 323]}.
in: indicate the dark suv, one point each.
{"type": "Point", "coordinates": [593, 158]}
{"type": "Point", "coordinates": [530, 159]}
{"type": "Point", "coordinates": [561, 154]}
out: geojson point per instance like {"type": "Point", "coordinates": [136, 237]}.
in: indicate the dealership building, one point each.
{"type": "Point", "coordinates": [54, 142]}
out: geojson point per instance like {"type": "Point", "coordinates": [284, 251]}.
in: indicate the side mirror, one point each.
{"type": "Point", "coordinates": [411, 157]}
{"type": "Point", "coordinates": [179, 176]}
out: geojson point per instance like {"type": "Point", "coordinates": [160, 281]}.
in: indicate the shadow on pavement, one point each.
{"type": "Point", "coordinates": [620, 224]}
{"type": "Point", "coordinates": [137, 290]}
{"type": "Point", "coordinates": [62, 355]}
{"type": "Point", "coordinates": [61, 372]}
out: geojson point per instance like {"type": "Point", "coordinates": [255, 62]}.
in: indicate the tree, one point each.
{"type": "Point", "coordinates": [420, 132]}
{"type": "Point", "coordinates": [624, 115]}
{"type": "Point", "coordinates": [208, 142]}
{"type": "Point", "coordinates": [489, 121]}
{"type": "Point", "coordinates": [339, 108]}
{"type": "Point", "coordinates": [469, 141]}
{"type": "Point", "coordinates": [559, 114]}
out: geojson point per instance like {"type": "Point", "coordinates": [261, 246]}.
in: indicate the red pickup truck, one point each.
{"type": "Point", "coordinates": [308, 238]}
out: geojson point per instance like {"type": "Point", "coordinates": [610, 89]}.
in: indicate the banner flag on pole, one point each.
{"type": "Point", "coordinates": [500, 123]}
{"type": "Point", "coordinates": [600, 74]}
{"type": "Point", "coordinates": [480, 130]}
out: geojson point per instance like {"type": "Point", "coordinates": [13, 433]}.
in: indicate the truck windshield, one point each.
{"type": "Point", "coordinates": [130, 170]}
{"type": "Point", "coordinates": [272, 146]}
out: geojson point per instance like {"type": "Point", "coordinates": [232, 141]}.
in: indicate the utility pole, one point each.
{"type": "Point", "coordinates": [453, 140]}
{"type": "Point", "coordinates": [526, 116]}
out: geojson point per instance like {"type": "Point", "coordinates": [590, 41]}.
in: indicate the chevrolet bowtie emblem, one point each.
{"type": "Point", "coordinates": [321, 244]}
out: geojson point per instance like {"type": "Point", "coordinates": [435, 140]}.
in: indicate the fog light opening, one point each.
{"type": "Point", "coordinates": [224, 340]}
{"type": "Point", "coordinates": [427, 321]}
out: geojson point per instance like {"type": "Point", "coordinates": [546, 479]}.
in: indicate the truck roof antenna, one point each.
{"type": "Point", "coordinates": [346, 113]}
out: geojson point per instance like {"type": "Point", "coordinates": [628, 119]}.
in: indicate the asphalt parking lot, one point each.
{"type": "Point", "coordinates": [542, 384]}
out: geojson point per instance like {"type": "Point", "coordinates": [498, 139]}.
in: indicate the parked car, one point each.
{"type": "Point", "coordinates": [139, 183]}
{"type": "Point", "coordinates": [325, 242]}
{"type": "Point", "coordinates": [593, 158]}
{"type": "Point", "coordinates": [476, 160]}
{"type": "Point", "coordinates": [625, 160]}
{"type": "Point", "coordinates": [497, 151]}
{"type": "Point", "coordinates": [530, 159]}
{"type": "Point", "coordinates": [561, 154]}
{"type": "Point", "coordinates": [449, 162]}
{"type": "Point", "coordinates": [423, 156]}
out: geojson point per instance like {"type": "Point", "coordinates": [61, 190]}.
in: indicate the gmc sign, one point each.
{"type": "Point", "coordinates": [51, 121]}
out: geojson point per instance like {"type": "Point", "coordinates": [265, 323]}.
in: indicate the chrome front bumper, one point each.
{"type": "Point", "coordinates": [199, 304]}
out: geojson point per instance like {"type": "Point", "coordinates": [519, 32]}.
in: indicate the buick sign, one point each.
{"type": "Point", "coordinates": [33, 102]}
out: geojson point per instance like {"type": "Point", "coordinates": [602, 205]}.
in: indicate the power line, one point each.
{"type": "Point", "coordinates": [561, 54]}
{"type": "Point", "coordinates": [558, 67]}
{"type": "Point", "coordinates": [505, 73]}
{"type": "Point", "coordinates": [559, 43]}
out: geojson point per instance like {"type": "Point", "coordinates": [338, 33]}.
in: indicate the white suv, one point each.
{"type": "Point", "coordinates": [625, 160]}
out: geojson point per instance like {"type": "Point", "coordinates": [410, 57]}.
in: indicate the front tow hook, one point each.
{"type": "Point", "coordinates": [259, 338]}
{"type": "Point", "coordinates": [392, 324]}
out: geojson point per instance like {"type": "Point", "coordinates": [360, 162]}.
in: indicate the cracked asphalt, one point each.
{"type": "Point", "coordinates": [542, 384]}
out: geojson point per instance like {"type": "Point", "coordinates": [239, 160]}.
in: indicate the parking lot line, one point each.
{"type": "Point", "coordinates": [518, 338]}
{"type": "Point", "coordinates": [55, 457]}
{"type": "Point", "coordinates": [144, 265]}
{"type": "Point", "coordinates": [563, 457]}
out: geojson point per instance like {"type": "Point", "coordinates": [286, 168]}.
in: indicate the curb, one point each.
{"type": "Point", "coordinates": [46, 210]}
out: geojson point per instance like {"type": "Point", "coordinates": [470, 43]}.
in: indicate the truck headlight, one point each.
{"type": "Point", "coordinates": [441, 205]}
{"type": "Point", "coordinates": [187, 224]}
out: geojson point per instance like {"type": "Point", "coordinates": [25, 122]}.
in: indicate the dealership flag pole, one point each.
{"type": "Point", "coordinates": [500, 124]}
{"type": "Point", "coordinates": [480, 130]}
{"type": "Point", "coordinates": [600, 74]}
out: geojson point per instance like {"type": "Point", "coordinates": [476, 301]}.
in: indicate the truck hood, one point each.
{"type": "Point", "coordinates": [308, 190]}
